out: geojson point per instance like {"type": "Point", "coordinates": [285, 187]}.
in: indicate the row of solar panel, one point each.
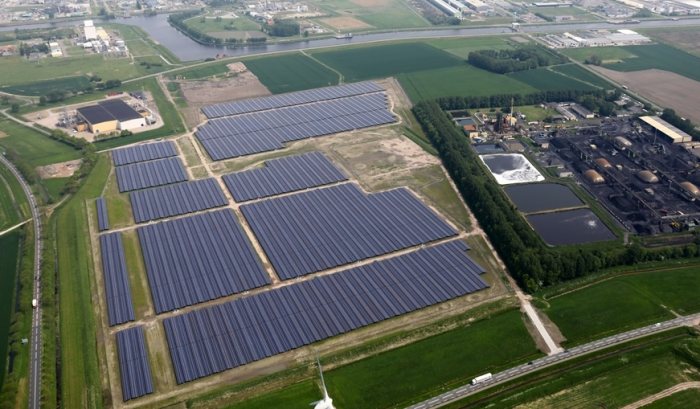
{"type": "Point", "coordinates": [320, 229]}
{"type": "Point", "coordinates": [225, 336]}
{"type": "Point", "coordinates": [116, 279]}
{"type": "Point", "coordinates": [143, 153]}
{"type": "Point", "coordinates": [283, 175]}
{"type": "Point", "coordinates": [149, 174]}
{"type": "Point", "coordinates": [102, 215]}
{"type": "Point", "coordinates": [292, 98]}
{"type": "Point", "coordinates": [197, 259]}
{"type": "Point", "coordinates": [272, 139]}
{"type": "Point", "coordinates": [176, 199]}
{"type": "Point", "coordinates": [285, 117]}
{"type": "Point", "coordinates": [133, 363]}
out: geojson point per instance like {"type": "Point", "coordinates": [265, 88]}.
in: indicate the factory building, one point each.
{"type": "Point", "coordinates": [89, 30]}
{"type": "Point", "coordinates": [666, 130]}
{"type": "Point", "coordinates": [111, 115]}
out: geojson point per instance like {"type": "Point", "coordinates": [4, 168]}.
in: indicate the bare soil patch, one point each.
{"type": "Point", "coordinates": [59, 170]}
{"type": "Point", "coordinates": [663, 87]}
{"type": "Point", "coordinates": [345, 23]}
{"type": "Point", "coordinates": [2, 134]}
{"type": "Point", "coordinates": [241, 86]}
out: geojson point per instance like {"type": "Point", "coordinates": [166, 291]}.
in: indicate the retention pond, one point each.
{"type": "Point", "coordinates": [540, 197]}
{"type": "Point", "coordinates": [570, 227]}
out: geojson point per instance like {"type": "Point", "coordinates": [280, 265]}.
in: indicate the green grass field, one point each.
{"type": "Point", "coordinates": [9, 243]}
{"type": "Point", "coordinates": [8, 207]}
{"type": "Point", "coordinates": [380, 14]}
{"type": "Point", "coordinates": [535, 112]}
{"type": "Point", "coordinates": [461, 47]}
{"type": "Point", "coordinates": [607, 54]}
{"type": "Point", "coordinates": [625, 302]}
{"type": "Point", "coordinates": [415, 371]}
{"type": "Point", "coordinates": [291, 72]}
{"type": "Point", "coordinates": [204, 71]}
{"type": "Point", "coordinates": [54, 186]}
{"type": "Point", "coordinates": [69, 84]}
{"type": "Point", "coordinates": [582, 74]}
{"type": "Point", "coordinates": [357, 64]}
{"type": "Point", "coordinates": [611, 378]}
{"type": "Point", "coordinates": [219, 28]}
{"type": "Point", "coordinates": [547, 80]}
{"type": "Point", "coordinates": [80, 377]}
{"type": "Point", "coordinates": [458, 81]}
{"type": "Point", "coordinates": [680, 400]}
{"type": "Point", "coordinates": [35, 148]}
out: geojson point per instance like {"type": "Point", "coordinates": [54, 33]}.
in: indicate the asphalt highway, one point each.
{"type": "Point", "coordinates": [517, 371]}
{"type": "Point", "coordinates": [35, 340]}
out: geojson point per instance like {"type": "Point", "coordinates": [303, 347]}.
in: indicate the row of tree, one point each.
{"type": "Point", "coordinates": [520, 59]}
{"type": "Point", "coordinates": [282, 28]}
{"type": "Point", "coordinates": [529, 260]}
{"type": "Point", "coordinates": [504, 100]}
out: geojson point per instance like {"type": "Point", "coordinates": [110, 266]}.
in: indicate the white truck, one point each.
{"type": "Point", "coordinates": [34, 303]}
{"type": "Point", "coordinates": [482, 378]}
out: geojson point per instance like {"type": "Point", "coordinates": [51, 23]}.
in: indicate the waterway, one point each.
{"type": "Point", "coordinates": [539, 197]}
{"type": "Point", "coordinates": [188, 50]}
{"type": "Point", "coordinates": [570, 227]}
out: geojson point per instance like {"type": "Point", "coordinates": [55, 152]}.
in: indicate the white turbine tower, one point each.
{"type": "Point", "coordinates": [326, 402]}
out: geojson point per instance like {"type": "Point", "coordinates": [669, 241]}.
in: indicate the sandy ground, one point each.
{"type": "Point", "coordinates": [665, 88]}
{"type": "Point", "coordinates": [345, 23]}
{"type": "Point", "coordinates": [2, 134]}
{"type": "Point", "coordinates": [59, 170]}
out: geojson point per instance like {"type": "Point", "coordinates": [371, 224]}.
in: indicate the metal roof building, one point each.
{"type": "Point", "coordinates": [111, 115]}
{"type": "Point", "coordinates": [672, 134]}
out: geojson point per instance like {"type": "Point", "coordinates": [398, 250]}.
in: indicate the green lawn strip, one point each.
{"type": "Point", "coordinates": [9, 215]}
{"type": "Point", "coordinates": [582, 74]}
{"type": "Point", "coordinates": [680, 400]}
{"type": "Point", "coordinates": [54, 186]}
{"type": "Point", "coordinates": [172, 124]}
{"type": "Point", "coordinates": [79, 371]}
{"type": "Point", "coordinates": [612, 377]}
{"type": "Point", "coordinates": [357, 64]}
{"type": "Point", "coordinates": [9, 243]}
{"type": "Point", "coordinates": [605, 53]}
{"type": "Point", "coordinates": [37, 149]}
{"type": "Point", "coordinates": [291, 72]}
{"type": "Point", "coordinates": [137, 272]}
{"type": "Point", "coordinates": [545, 79]}
{"type": "Point", "coordinates": [118, 205]}
{"type": "Point", "coordinates": [458, 81]}
{"type": "Point", "coordinates": [19, 199]}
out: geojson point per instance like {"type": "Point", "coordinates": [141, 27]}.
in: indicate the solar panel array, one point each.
{"type": "Point", "coordinates": [116, 279]}
{"type": "Point", "coordinates": [319, 229]}
{"type": "Point", "coordinates": [133, 363]}
{"type": "Point", "coordinates": [228, 335]}
{"type": "Point", "coordinates": [289, 99]}
{"type": "Point", "coordinates": [269, 130]}
{"type": "Point", "coordinates": [143, 153]}
{"type": "Point", "coordinates": [143, 175]}
{"type": "Point", "coordinates": [283, 175]}
{"type": "Point", "coordinates": [176, 199]}
{"type": "Point", "coordinates": [102, 216]}
{"type": "Point", "coordinates": [198, 258]}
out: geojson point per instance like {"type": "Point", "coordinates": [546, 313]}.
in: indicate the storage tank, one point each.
{"type": "Point", "coordinates": [593, 176]}
{"type": "Point", "coordinates": [622, 143]}
{"type": "Point", "coordinates": [647, 176]}
{"type": "Point", "coordinates": [603, 163]}
{"type": "Point", "coordinates": [691, 189]}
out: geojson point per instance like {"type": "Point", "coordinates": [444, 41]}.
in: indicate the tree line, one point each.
{"type": "Point", "coordinates": [504, 100]}
{"type": "Point", "coordinates": [530, 261]}
{"type": "Point", "coordinates": [520, 59]}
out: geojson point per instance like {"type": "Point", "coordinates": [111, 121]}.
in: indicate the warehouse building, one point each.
{"type": "Point", "coordinates": [111, 115]}
{"type": "Point", "coordinates": [668, 131]}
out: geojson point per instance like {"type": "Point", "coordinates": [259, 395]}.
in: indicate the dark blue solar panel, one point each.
{"type": "Point", "coordinates": [292, 98]}
{"type": "Point", "coordinates": [116, 279]}
{"type": "Point", "coordinates": [198, 258]}
{"type": "Point", "coordinates": [274, 138]}
{"type": "Point", "coordinates": [213, 339]}
{"type": "Point", "coordinates": [176, 199]}
{"type": "Point", "coordinates": [283, 175]}
{"type": "Point", "coordinates": [149, 174]}
{"type": "Point", "coordinates": [134, 367]}
{"type": "Point", "coordinates": [102, 215]}
{"type": "Point", "coordinates": [144, 152]}
{"type": "Point", "coordinates": [324, 228]}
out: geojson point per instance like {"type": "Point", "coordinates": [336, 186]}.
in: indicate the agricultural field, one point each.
{"type": "Point", "coordinates": [577, 13]}
{"type": "Point", "coordinates": [357, 64]}
{"type": "Point", "coordinates": [462, 80]}
{"type": "Point", "coordinates": [9, 243]}
{"type": "Point", "coordinates": [291, 72]}
{"type": "Point", "coordinates": [461, 47]}
{"type": "Point", "coordinates": [426, 366]}
{"type": "Point", "coordinates": [645, 57]}
{"type": "Point", "coordinates": [608, 55]}
{"type": "Point", "coordinates": [679, 400]}
{"type": "Point", "coordinates": [597, 310]}
{"type": "Point", "coordinates": [579, 73]}
{"type": "Point", "coordinates": [35, 148]}
{"type": "Point", "coordinates": [612, 378]}
{"type": "Point", "coordinates": [357, 15]}
{"type": "Point", "coordinates": [687, 39]}
{"type": "Point", "coordinates": [544, 79]}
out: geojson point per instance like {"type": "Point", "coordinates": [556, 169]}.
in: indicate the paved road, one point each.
{"type": "Point", "coordinates": [515, 372]}
{"type": "Point", "coordinates": [35, 340]}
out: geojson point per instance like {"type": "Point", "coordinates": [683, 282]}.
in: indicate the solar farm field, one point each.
{"type": "Point", "coordinates": [291, 72]}
{"type": "Point", "coordinates": [358, 64]}
{"type": "Point", "coordinates": [544, 79]}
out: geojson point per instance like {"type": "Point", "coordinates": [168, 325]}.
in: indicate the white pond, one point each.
{"type": "Point", "coordinates": [511, 168]}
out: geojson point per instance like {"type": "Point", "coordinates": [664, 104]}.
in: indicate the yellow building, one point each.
{"type": "Point", "coordinates": [98, 120]}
